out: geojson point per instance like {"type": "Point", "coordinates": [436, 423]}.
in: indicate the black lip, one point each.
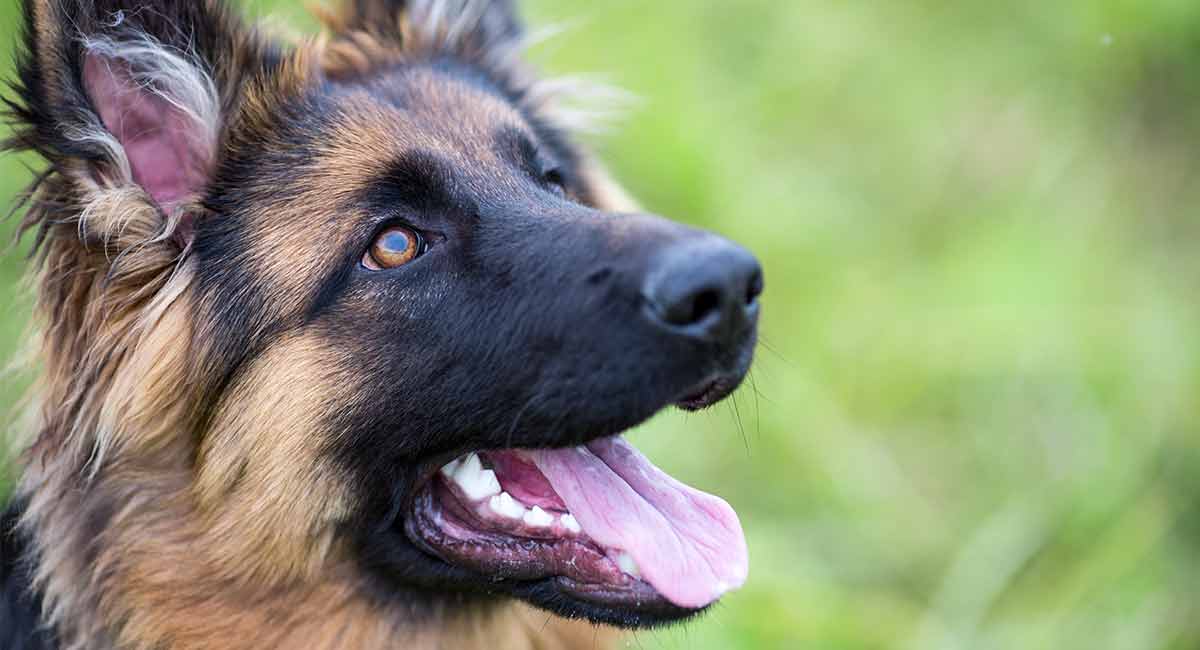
{"type": "Point", "coordinates": [709, 394]}
{"type": "Point", "coordinates": [572, 600]}
{"type": "Point", "coordinates": [717, 387]}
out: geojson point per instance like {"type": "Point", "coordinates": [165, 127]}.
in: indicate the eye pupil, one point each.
{"type": "Point", "coordinates": [554, 177]}
{"type": "Point", "coordinates": [395, 242]}
{"type": "Point", "coordinates": [393, 247]}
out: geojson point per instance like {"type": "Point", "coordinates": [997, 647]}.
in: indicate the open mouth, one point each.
{"type": "Point", "coordinates": [599, 520]}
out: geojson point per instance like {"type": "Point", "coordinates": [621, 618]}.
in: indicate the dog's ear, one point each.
{"type": "Point", "coordinates": [127, 100]}
{"type": "Point", "coordinates": [493, 21]}
{"type": "Point", "coordinates": [474, 29]}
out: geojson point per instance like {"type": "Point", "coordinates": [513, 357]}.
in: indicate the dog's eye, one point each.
{"type": "Point", "coordinates": [553, 178]}
{"type": "Point", "coordinates": [394, 247]}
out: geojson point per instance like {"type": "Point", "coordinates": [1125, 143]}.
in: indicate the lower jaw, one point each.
{"type": "Point", "coordinates": [623, 609]}
{"type": "Point", "coordinates": [571, 578]}
{"type": "Point", "coordinates": [434, 524]}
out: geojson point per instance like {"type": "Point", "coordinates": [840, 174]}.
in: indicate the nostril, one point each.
{"type": "Point", "coordinates": [755, 288]}
{"type": "Point", "coordinates": [704, 288]}
{"type": "Point", "coordinates": [704, 303]}
{"type": "Point", "coordinates": [689, 308]}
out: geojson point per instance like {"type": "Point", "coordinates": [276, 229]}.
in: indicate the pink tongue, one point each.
{"type": "Point", "coordinates": [687, 544]}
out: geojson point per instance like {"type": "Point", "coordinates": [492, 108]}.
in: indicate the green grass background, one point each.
{"type": "Point", "coordinates": [973, 420]}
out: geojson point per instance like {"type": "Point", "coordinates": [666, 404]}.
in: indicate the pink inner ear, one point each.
{"type": "Point", "coordinates": [166, 148]}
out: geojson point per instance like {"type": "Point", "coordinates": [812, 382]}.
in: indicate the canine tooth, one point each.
{"type": "Point", "coordinates": [538, 517]}
{"type": "Point", "coordinates": [470, 463]}
{"type": "Point", "coordinates": [627, 564]}
{"type": "Point", "coordinates": [451, 467]}
{"type": "Point", "coordinates": [504, 505]}
{"type": "Point", "coordinates": [571, 523]}
{"type": "Point", "coordinates": [476, 482]}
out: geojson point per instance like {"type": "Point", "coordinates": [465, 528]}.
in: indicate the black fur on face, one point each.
{"type": "Point", "coordinates": [524, 324]}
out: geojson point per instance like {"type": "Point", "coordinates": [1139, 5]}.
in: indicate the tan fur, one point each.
{"type": "Point", "coordinates": [604, 191]}
{"type": "Point", "coordinates": [356, 44]}
{"type": "Point", "coordinates": [147, 538]}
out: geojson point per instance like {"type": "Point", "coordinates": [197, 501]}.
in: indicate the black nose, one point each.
{"type": "Point", "coordinates": [705, 287]}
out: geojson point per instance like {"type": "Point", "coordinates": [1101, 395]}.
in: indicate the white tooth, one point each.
{"type": "Point", "coordinates": [451, 467]}
{"type": "Point", "coordinates": [469, 464]}
{"type": "Point", "coordinates": [485, 485]}
{"type": "Point", "coordinates": [538, 518]}
{"type": "Point", "coordinates": [571, 523]}
{"type": "Point", "coordinates": [626, 563]}
{"type": "Point", "coordinates": [506, 506]}
{"type": "Point", "coordinates": [476, 482]}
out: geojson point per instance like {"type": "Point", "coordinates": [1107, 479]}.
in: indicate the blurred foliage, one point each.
{"type": "Point", "coordinates": [971, 420]}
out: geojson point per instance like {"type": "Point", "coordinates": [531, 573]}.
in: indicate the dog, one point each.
{"type": "Point", "coordinates": [337, 341]}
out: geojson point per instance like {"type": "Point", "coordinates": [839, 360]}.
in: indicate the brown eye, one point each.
{"type": "Point", "coordinates": [394, 247]}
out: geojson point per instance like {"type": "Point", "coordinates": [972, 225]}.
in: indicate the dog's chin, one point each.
{"type": "Point", "coordinates": [593, 531]}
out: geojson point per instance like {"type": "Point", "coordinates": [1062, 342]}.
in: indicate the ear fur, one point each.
{"type": "Point", "coordinates": [129, 98]}
{"type": "Point", "coordinates": [127, 101]}
{"type": "Point", "coordinates": [161, 108]}
{"type": "Point", "coordinates": [367, 32]}
{"type": "Point", "coordinates": [492, 21]}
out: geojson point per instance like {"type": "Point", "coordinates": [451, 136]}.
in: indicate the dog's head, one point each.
{"type": "Point", "coordinates": [386, 306]}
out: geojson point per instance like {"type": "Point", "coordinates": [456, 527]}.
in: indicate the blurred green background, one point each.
{"type": "Point", "coordinates": [972, 421]}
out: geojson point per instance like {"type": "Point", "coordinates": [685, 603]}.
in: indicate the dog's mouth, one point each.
{"type": "Point", "coordinates": [599, 521]}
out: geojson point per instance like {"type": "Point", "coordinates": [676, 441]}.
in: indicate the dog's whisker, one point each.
{"type": "Point", "coordinates": [737, 416]}
{"type": "Point", "coordinates": [508, 439]}
{"type": "Point", "coordinates": [757, 412]}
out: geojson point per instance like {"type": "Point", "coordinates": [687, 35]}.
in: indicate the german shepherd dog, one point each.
{"type": "Point", "coordinates": [337, 341]}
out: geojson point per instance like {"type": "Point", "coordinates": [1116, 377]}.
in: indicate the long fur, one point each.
{"type": "Point", "coordinates": [175, 77]}
{"type": "Point", "coordinates": [122, 545]}
{"type": "Point", "coordinates": [477, 30]}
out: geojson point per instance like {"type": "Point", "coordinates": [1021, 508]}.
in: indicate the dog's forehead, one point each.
{"type": "Point", "coordinates": [443, 102]}
{"type": "Point", "coordinates": [414, 110]}
{"type": "Point", "coordinates": [301, 213]}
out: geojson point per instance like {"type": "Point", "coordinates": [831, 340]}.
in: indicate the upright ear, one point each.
{"type": "Point", "coordinates": [128, 95]}
{"type": "Point", "coordinates": [473, 29]}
